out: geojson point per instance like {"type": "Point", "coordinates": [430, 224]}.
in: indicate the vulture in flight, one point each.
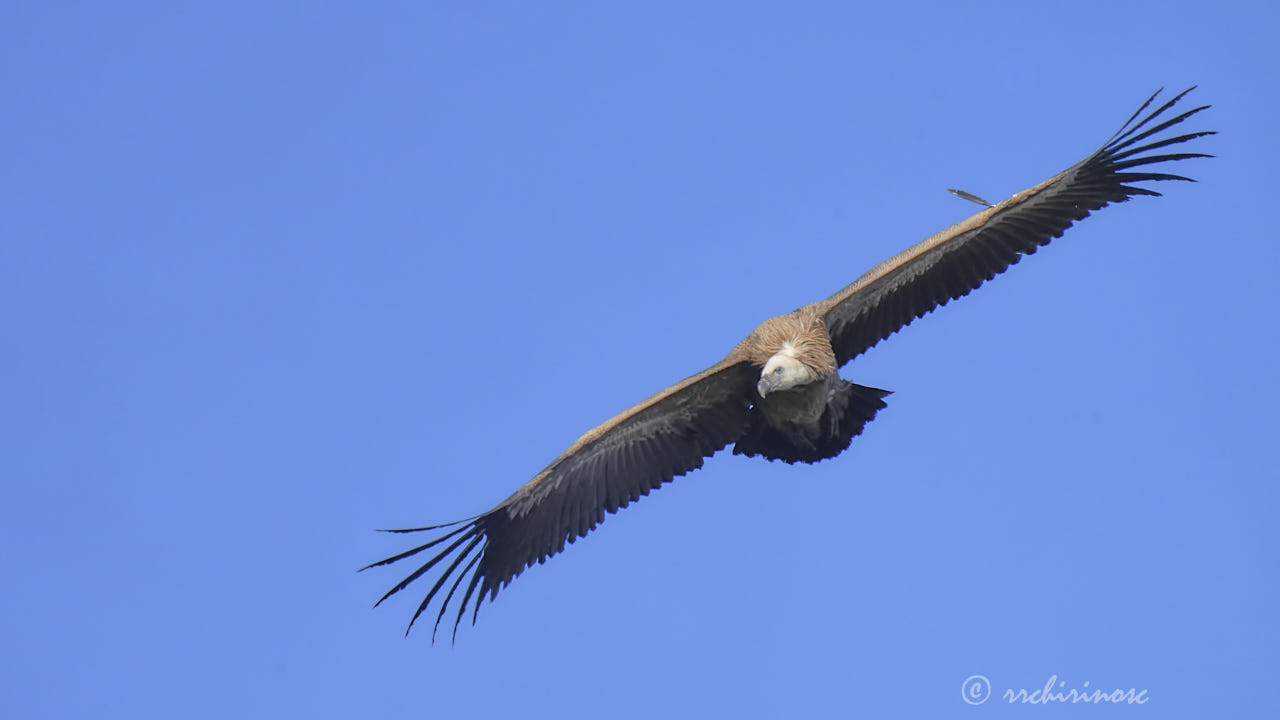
{"type": "Point", "coordinates": [778, 394]}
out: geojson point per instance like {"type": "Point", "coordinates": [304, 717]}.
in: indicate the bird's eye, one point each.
{"type": "Point", "coordinates": [777, 371]}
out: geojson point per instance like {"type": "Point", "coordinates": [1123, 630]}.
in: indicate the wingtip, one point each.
{"type": "Point", "coordinates": [427, 527]}
{"type": "Point", "coordinates": [388, 594]}
{"type": "Point", "coordinates": [413, 620]}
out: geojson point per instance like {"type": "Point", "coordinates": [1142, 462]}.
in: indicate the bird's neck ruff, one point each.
{"type": "Point", "coordinates": [791, 350]}
{"type": "Point", "coordinates": [798, 339]}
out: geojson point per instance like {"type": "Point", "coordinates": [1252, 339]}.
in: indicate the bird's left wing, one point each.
{"type": "Point", "coordinates": [957, 260]}
{"type": "Point", "coordinates": [609, 467]}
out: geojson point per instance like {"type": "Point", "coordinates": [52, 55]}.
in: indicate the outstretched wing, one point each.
{"type": "Point", "coordinates": [608, 468]}
{"type": "Point", "coordinates": [959, 259]}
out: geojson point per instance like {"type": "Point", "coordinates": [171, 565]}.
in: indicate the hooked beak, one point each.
{"type": "Point", "coordinates": [767, 384]}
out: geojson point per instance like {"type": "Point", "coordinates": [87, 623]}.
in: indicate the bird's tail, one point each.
{"type": "Point", "coordinates": [850, 408]}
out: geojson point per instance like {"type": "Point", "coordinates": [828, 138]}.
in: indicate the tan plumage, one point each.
{"type": "Point", "coordinates": [777, 394]}
{"type": "Point", "coordinates": [803, 329]}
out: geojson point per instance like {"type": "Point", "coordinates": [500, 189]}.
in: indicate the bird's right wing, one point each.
{"type": "Point", "coordinates": [957, 260]}
{"type": "Point", "coordinates": [609, 467]}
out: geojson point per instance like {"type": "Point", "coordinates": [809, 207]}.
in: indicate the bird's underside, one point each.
{"type": "Point", "coordinates": [778, 393]}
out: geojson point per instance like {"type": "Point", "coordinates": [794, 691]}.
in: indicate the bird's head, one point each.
{"type": "Point", "coordinates": [783, 371]}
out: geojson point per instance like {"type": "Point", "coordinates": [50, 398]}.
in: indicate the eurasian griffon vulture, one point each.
{"type": "Point", "coordinates": [778, 394]}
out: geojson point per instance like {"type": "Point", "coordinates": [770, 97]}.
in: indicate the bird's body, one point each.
{"type": "Point", "coordinates": [778, 394]}
{"type": "Point", "coordinates": [801, 409]}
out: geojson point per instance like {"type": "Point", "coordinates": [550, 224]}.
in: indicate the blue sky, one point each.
{"type": "Point", "coordinates": [277, 274]}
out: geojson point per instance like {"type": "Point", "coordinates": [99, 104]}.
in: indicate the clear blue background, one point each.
{"type": "Point", "coordinates": [277, 274]}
